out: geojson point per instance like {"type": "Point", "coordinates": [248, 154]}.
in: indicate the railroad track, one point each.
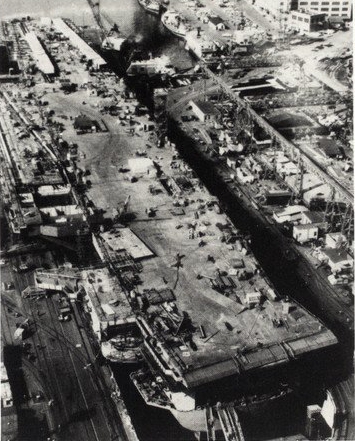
{"type": "Point", "coordinates": [70, 391]}
{"type": "Point", "coordinates": [43, 361]}
{"type": "Point", "coordinates": [48, 370]}
{"type": "Point", "coordinates": [98, 380]}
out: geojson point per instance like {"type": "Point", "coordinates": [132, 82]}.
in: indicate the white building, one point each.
{"type": "Point", "coordinates": [288, 168]}
{"type": "Point", "coordinates": [333, 8]}
{"type": "Point", "coordinates": [253, 298]}
{"type": "Point", "coordinates": [305, 233]}
{"type": "Point", "coordinates": [245, 176]}
{"type": "Point", "coordinates": [276, 7]}
{"type": "Point", "coordinates": [307, 21]}
{"type": "Point", "coordinates": [217, 23]}
{"type": "Point", "coordinates": [337, 260]}
{"type": "Point", "coordinates": [204, 110]}
{"type": "Point", "coordinates": [293, 213]}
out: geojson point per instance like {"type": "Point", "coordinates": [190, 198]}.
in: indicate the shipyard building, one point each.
{"type": "Point", "coordinates": [331, 8]}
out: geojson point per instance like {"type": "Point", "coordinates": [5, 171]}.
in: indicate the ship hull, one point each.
{"type": "Point", "coordinates": [195, 420]}
{"type": "Point", "coordinates": [122, 361]}
{"type": "Point", "coordinates": [173, 29]}
{"type": "Point", "coordinates": [152, 11]}
{"type": "Point", "coordinates": [287, 254]}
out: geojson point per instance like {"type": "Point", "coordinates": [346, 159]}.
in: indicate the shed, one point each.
{"type": "Point", "coordinates": [107, 309]}
{"type": "Point", "coordinates": [329, 147]}
{"type": "Point", "coordinates": [292, 213]}
{"type": "Point", "coordinates": [84, 124]}
{"type": "Point", "coordinates": [253, 298]}
{"type": "Point", "coordinates": [204, 110]}
{"type": "Point", "coordinates": [305, 233]}
{"type": "Point", "coordinates": [217, 23]}
{"type": "Point", "coordinates": [307, 21]}
{"type": "Point", "coordinates": [277, 197]}
{"type": "Point", "coordinates": [338, 260]}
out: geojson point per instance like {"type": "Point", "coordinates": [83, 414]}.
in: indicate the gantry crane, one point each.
{"type": "Point", "coordinates": [104, 21]}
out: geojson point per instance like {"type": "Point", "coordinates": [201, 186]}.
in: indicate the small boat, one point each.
{"type": "Point", "coordinates": [122, 349]}
{"type": "Point", "coordinates": [151, 6]}
{"type": "Point", "coordinates": [174, 23]}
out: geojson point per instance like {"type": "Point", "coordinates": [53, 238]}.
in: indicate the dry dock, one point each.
{"type": "Point", "coordinates": [86, 161]}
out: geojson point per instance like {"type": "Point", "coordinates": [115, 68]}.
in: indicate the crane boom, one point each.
{"type": "Point", "coordinates": [104, 21]}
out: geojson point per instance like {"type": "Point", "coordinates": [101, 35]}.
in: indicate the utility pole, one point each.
{"type": "Point", "coordinates": [347, 225]}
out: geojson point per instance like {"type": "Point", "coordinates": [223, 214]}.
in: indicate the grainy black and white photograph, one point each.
{"type": "Point", "coordinates": [176, 220]}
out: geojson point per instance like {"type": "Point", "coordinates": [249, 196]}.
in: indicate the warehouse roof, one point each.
{"type": "Point", "coordinates": [216, 20]}
{"type": "Point", "coordinates": [337, 256]}
{"type": "Point", "coordinates": [43, 62]}
{"type": "Point", "coordinates": [329, 146]}
{"type": "Point", "coordinates": [79, 43]}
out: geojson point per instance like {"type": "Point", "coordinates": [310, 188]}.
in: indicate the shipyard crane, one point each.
{"type": "Point", "coordinates": [347, 225]}
{"type": "Point", "coordinates": [123, 210]}
{"type": "Point", "coordinates": [339, 218]}
{"type": "Point", "coordinates": [308, 161]}
{"type": "Point", "coordinates": [101, 18]}
{"type": "Point", "coordinates": [178, 264]}
{"type": "Point", "coordinates": [297, 191]}
{"type": "Point", "coordinates": [283, 40]}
